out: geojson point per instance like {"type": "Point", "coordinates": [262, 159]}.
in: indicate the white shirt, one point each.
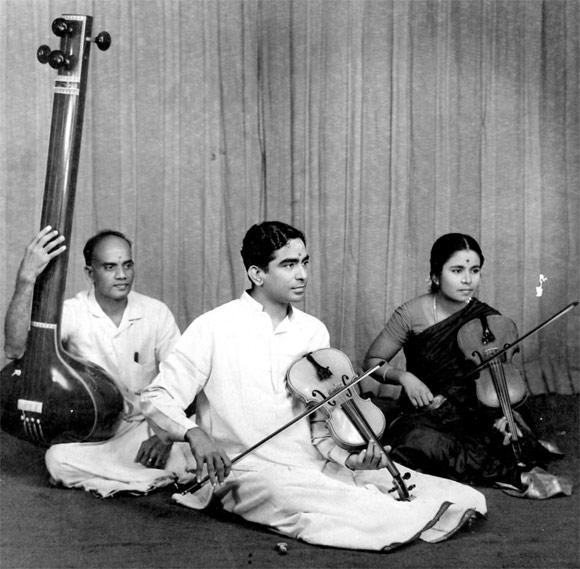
{"type": "Point", "coordinates": [237, 363]}
{"type": "Point", "coordinates": [129, 353]}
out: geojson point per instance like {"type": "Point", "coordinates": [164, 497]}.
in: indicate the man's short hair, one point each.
{"type": "Point", "coordinates": [92, 243]}
{"type": "Point", "coordinates": [263, 240]}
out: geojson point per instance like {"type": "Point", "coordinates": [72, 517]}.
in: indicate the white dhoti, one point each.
{"type": "Point", "coordinates": [109, 467]}
{"type": "Point", "coordinates": [340, 508]}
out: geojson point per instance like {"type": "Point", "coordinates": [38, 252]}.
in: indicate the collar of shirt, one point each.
{"type": "Point", "coordinates": [255, 306]}
{"type": "Point", "coordinates": [133, 310]}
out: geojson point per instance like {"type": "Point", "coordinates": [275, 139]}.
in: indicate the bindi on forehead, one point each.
{"type": "Point", "coordinates": [293, 245]}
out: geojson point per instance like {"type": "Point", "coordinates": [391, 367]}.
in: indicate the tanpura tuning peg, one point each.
{"type": "Point", "coordinates": [60, 27]}
{"type": "Point", "coordinates": [57, 59]}
{"type": "Point", "coordinates": [103, 41]}
{"type": "Point", "coordinates": [43, 53]}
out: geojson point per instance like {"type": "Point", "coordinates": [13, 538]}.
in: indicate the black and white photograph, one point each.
{"type": "Point", "coordinates": [290, 284]}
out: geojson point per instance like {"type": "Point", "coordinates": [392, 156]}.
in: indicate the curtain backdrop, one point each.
{"type": "Point", "coordinates": [374, 125]}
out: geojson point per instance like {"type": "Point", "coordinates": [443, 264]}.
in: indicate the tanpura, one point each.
{"type": "Point", "coordinates": [48, 396]}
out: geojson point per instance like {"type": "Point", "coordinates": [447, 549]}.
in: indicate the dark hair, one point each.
{"type": "Point", "coordinates": [263, 240]}
{"type": "Point", "coordinates": [91, 244]}
{"type": "Point", "coordinates": [444, 248]}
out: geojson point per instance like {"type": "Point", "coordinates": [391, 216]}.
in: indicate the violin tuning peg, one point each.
{"type": "Point", "coordinates": [406, 476]}
{"type": "Point", "coordinates": [411, 487]}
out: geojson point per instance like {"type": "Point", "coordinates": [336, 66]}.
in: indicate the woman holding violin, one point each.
{"type": "Point", "coordinates": [455, 423]}
{"type": "Point", "coordinates": [238, 361]}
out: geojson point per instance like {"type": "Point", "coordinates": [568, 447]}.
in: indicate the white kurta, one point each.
{"type": "Point", "coordinates": [130, 353]}
{"type": "Point", "coordinates": [235, 363]}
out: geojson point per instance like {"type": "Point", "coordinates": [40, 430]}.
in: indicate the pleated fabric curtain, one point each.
{"type": "Point", "coordinates": [374, 125]}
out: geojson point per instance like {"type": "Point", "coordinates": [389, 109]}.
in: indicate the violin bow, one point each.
{"type": "Point", "coordinates": [521, 338]}
{"type": "Point", "coordinates": [192, 488]}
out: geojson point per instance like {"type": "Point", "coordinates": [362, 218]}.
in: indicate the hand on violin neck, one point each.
{"type": "Point", "coordinates": [501, 425]}
{"type": "Point", "coordinates": [370, 458]}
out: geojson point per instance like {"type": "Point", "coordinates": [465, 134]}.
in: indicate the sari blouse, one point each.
{"type": "Point", "coordinates": [432, 352]}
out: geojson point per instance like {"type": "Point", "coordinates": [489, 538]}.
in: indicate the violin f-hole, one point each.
{"type": "Point", "coordinates": [316, 393]}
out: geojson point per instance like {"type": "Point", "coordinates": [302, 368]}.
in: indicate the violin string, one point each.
{"type": "Point", "coordinates": [358, 420]}
{"type": "Point", "coordinates": [500, 384]}
{"type": "Point", "coordinates": [361, 424]}
{"type": "Point", "coordinates": [499, 381]}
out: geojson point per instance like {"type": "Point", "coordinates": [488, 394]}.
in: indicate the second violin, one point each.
{"type": "Point", "coordinates": [500, 384]}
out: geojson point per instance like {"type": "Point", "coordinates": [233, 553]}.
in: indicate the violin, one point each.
{"type": "Point", "coordinates": [48, 396]}
{"type": "Point", "coordinates": [338, 391]}
{"type": "Point", "coordinates": [352, 421]}
{"type": "Point", "coordinates": [500, 384]}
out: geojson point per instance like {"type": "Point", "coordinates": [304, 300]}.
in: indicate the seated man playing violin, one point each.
{"type": "Point", "coordinates": [233, 360]}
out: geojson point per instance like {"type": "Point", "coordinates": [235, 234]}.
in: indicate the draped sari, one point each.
{"type": "Point", "coordinates": [434, 356]}
{"type": "Point", "coordinates": [454, 437]}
